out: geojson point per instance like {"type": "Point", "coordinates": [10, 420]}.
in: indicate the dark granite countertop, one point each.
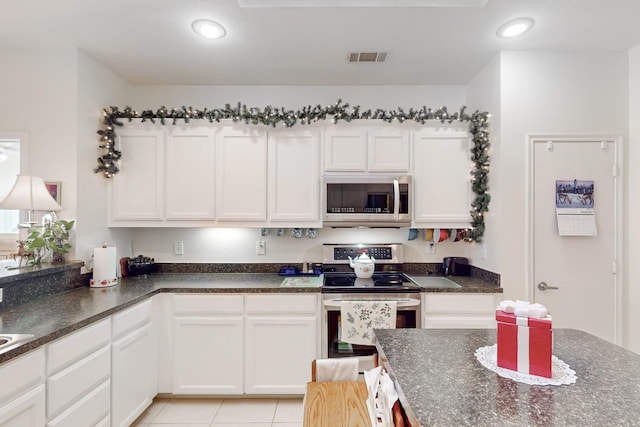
{"type": "Point", "coordinates": [51, 317]}
{"type": "Point", "coordinates": [441, 383]}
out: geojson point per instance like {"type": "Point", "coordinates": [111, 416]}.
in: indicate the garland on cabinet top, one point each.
{"type": "Point", "coordinates": [478, 127]}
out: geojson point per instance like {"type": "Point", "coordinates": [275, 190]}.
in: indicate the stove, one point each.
{"type": "Point", "coordinates": [388, 277]}
{"type": "Point", "coordinates": [341, 285]}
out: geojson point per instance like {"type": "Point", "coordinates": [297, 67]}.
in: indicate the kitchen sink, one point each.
{"type": "Point", "coordinates": [9, 341]}
{"type": "Point", "coordinates": [435, 282]}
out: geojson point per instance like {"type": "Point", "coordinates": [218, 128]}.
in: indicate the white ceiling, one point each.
{"type": "Point", "coordinates": [151, 41]}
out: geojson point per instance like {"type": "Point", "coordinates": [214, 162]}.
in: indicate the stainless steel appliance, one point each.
{"type": "Point", "coordinates": [367, 201]}
{"type": "Point", "coordinates": [388, 283]}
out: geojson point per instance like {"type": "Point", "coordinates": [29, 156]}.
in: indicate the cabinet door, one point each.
{"type": "Point", "coordinates": [345, 150]}
{"type": "Point", "coordinates": [136, 191]}
{"type": "Point", "coordinates": [241, 175]}
{"type": "Point", "coordinates": [90, 410]}
{"type": "Point", "coordinates": [388, 150]}
{"type": "Point", "coordinates": [294, 177]}
{"type": "Point", "coordinates": [133, 375]}
{"type": "Point", "coordinates": [278, 354]}
{"type": "Point", "coordinates": [207, 355]}
{"type": "Point", "coordinates": [190, 174]}
{"type": "Point", "coordinates": [452, 311]}
{"type": "Point", "coordinates": [441, 178]}
{"type": "Point", "coordinates": [27, 410]}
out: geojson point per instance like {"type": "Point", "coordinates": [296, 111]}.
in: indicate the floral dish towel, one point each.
{"type": "Point", "coordinates": [360, 318]}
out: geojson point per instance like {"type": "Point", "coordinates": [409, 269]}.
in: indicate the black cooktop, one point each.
{"type": "Point", "coordinates": [380, 282]}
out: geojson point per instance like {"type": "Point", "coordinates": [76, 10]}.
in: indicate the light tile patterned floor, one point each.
{"type": "Point", "coordinates": [222, 413]}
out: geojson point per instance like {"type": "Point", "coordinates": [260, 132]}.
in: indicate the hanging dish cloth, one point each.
{"type": "Point", "coordinates": [360, 318]}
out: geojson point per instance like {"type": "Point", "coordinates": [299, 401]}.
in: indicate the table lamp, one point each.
{"type": "Point", "coordinates": [29, 193]}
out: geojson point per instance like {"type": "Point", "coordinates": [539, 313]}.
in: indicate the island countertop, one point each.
{"type": "Point", "coordinates": [441, 383]}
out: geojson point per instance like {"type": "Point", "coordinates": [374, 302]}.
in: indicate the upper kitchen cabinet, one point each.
{"type": "Point", "coordinates": [241, 171]}
{"type": "Point", "coordinates": [190, 174]}
{"type": "Point", "coordinates": [441, 176]}
{"type": "Point", "coordinates": [367, 149]}
{"type": "Point", "coordinates": [294, 178]}
{"type": "Point", "coordinates": [136, 192]}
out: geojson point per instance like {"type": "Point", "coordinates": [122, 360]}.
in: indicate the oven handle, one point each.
{"type": "Point", "coordinates": [402, 303]}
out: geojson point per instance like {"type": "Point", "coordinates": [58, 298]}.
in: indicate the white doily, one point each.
{"type": "Point", "coordinates": [561, 373]}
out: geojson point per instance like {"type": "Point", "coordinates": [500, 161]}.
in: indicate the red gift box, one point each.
{"type": "Point", "coordinates": [525, 344]}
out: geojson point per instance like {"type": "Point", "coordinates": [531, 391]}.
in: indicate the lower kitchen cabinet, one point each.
{"type": "Point", "coordinates": [22, 391]}
{"type": "Point", "coordinates": [243, 344]}
{"type": "Point", "coordinates": [281, 334]}
{"type": "Point", "coordinates": [78, 372]}
{"type": "Point", "coordinates": [134, 376]}
{"type": "Point", "coordinates": [458, 310]}
{"type": "Point", "coordinates": [207, 344]}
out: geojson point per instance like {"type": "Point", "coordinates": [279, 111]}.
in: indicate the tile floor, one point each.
{"type": "Point", "coordinates": [187, 412]}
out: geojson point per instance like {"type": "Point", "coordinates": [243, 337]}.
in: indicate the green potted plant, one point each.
{"type": "Point", "coordinates": [56, 237]}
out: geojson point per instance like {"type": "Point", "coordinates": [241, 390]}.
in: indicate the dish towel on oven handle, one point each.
{"type": "Point", "coordinates": [358, 319]}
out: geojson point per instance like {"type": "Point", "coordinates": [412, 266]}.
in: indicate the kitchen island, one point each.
{"type": "Point", "coordinates": [441, 383]}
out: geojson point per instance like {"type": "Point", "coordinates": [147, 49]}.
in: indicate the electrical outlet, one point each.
{"type": "Point", "coordinates": [483, 249]}
{"type": "Point", "coordinates": [178, 247]}
{"type": "Point", "coordinates": [261, 247]}
{"type": "Point", "coordinates": [431, 247]}
{"type": "Point", "coordinates": [0, 294]}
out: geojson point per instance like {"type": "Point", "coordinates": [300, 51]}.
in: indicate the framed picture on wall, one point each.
{"type": "Point", "coordinates": [54, 189]}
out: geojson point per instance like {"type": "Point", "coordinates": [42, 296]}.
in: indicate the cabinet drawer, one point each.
{"type": "Point", "coordinates": [72, 383]}
{"type": "Point", "coordinates": [207, 304]}
{"type": "Point", "coordinates": [281, 304]}
{"type": "Point", "coordinates": [131, 318]}
{"type": "Point", "coordinates": [459, 303]}
{"type": "Point", "coordinates": [91, 410]}
{"type": "Point", "coordinates": [21, 374]}
{"type": "Point", "coordinates": [70, 349]}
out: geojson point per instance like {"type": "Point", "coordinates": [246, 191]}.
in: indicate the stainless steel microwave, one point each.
{"type": "Point", "coordinates": [367, 201]}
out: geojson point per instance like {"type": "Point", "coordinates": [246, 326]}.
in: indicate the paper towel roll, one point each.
{"type": "Point", "coordinates": [104, 268]}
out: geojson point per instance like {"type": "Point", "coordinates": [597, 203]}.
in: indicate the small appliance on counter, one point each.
{"type": "Point", "coordinates": [455, 266]}
{"type": "Point", "coordinates": [138, 266]}
{"type": "Point", "coordinates": [308, 269]}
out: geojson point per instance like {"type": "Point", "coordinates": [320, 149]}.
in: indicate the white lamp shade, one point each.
{"type": "Point", "coordinates": [30, 193]}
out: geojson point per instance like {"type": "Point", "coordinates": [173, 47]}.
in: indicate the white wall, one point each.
{"type": "Point", "coordinates": [238, 245]}
{"type": "Point", "coordinates": [38, 90]}
{"type": "Point", "coordinates": [98, 87]}
{"type": "Point", "coordinates": [632, 226]}
{"type": "Point", "coordinates": [549, 93]}
{"type": "Point", "coordinates": [483, 94]}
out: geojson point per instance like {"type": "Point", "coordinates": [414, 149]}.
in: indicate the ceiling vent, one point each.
{"type": "Point", "coordinates": [367, 56]}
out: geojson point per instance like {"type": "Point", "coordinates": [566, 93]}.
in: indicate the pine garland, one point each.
{"type": "Point", "coordinates": [270, 116]}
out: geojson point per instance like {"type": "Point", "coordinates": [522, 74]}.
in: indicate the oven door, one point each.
{"type": "Point", "coordinates": [408, 316]}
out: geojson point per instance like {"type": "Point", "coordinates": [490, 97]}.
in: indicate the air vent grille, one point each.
{"type": "Point", "coordinates": [368, 57]}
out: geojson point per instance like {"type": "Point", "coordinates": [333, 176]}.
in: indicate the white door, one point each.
{"type": "Point", "coordinates": [582, 268]}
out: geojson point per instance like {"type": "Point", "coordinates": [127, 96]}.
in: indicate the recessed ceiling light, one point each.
{"type": "Point", "coordinates": [515, 27]}
{"type": "Point", "coordinates": [208, 29]}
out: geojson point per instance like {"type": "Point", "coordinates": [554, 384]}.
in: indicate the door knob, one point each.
{"type": "Point", "coordinates": [543, 286]}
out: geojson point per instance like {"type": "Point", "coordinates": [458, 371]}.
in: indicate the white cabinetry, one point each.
{"type": "Point", "coordinates": [207, 344]}
{"type": "Point", "coordinates": [134, 363]}
{"type": "Point", "coordinates": [294, 178]}
{"type": "Point", "coordinates": [241, 169]}
{"type": "Point", "coordinates": [190, 174]}
{"type": "Point", "coordinates": [281, 340]}
{"type": "Point", "coordinates": [78, 372]}
{"type": "Point", "coordinates": [441, 178]}
{"type": "Point", "coordinates": [136, 192]}
{"type": "Point", "coordinates": [367, 149]}
{"type": "Point", "coordinates": [458, 310]}
{"type": "Point", "coordinates": [22, 394]}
